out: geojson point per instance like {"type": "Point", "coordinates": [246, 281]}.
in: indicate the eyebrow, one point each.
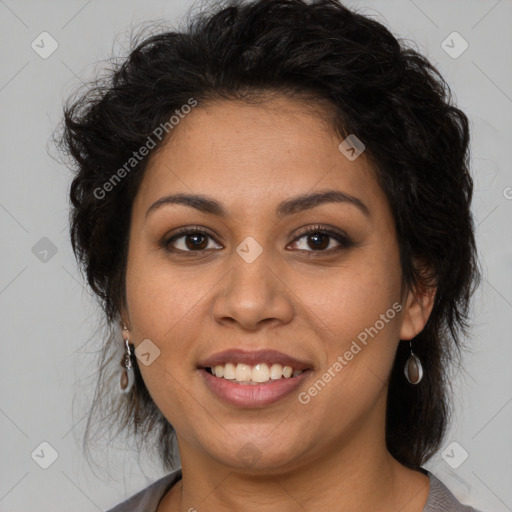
{"type": "Point", "coordinates": [296, 204]}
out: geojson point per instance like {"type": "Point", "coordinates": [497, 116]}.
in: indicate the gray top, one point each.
{"type": "Point", "coordinates": [440, 499]}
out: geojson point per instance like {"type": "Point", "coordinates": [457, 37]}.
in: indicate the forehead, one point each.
{"type": "Point", "coordinates": [251, 156]}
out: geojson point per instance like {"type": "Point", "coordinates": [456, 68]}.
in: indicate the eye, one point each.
{"type": "Point", "coordinates": [318, 237]}
{"type": "Point", "coordinates": [195, 240]}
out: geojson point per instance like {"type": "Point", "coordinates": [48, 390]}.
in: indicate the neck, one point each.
{"type": "Point", "coordinates": [356, 474]}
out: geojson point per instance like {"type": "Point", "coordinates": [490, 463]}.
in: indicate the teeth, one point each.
{"type": "Point", "coordinates": [243, 373]}
{"type": "Point", "coordinates": [229, 371]}
{"type": "Point", "coordinates": [254, 374]}
{"type": "Point", "coordinates": [276, 371]}
{"type": "Point", "coordinates": [260, 373]}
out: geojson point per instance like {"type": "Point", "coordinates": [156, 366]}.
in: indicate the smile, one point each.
{"type": "Point", "coordinates": [250, 394]}
{"type": "Point", "coordinates": [246, 374]}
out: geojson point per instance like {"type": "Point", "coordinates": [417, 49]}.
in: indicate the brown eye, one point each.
{"type": "Point", "coordinates": [190, 240]}
{"type": "Point", "coordinates": [319, 240]}
{"type": "Point", "coordinates": [195, 241]}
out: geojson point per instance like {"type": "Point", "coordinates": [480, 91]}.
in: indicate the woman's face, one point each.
{"type": "Point", "coordinates": [252, 280]}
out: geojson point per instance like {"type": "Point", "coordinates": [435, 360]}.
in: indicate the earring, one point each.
{"type": "Point", "coordinates": [127, 377]}
{"type": "Point", "coordinates": [413, 369]}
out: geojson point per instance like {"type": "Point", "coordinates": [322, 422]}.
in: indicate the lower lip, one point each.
{"type": "Point", "coordinates": [252, 395]}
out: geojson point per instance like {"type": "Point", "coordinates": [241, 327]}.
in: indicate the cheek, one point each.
{"type": "Point", "coordinates": [356, 311]}
{"type": "Point", "coordinates": [161, 306]}
{"type": "Point", "coordinates": [359, 328]}
{"type": "Point", "coordinates": [160, 295]}
{"type": "Point", "coordinates": [351, 297]}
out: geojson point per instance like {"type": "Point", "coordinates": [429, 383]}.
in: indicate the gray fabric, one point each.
{"type": "Point", "coordinates": [148, 499]}
{"type": "Point", "coordinates": [440, 499]}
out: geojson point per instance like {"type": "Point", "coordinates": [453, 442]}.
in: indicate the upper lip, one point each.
{"type": "Point", "coordinates": [252, 358]}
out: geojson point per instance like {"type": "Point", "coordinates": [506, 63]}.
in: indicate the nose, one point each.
{"type": "Point", "coordinates": [253, 294]}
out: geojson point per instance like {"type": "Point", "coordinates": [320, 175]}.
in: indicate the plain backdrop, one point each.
{"type": "Point", "coordinates": [47, 316]}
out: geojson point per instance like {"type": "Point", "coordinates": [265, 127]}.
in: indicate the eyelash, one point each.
{"type": "Point", "coordinates": [344, 241]}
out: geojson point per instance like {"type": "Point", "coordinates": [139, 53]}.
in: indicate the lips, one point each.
{"type": "Point", "coordinates": [252, 358]}
{"type": "Point", "coordinates": [252, 396]}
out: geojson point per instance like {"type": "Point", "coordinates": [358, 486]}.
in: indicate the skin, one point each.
{"type": "Point", "coordinates": [329, 454]}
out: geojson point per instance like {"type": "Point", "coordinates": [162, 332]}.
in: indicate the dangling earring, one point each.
{"type": "Point", "coordinates": [127, 377]}
{"type": "Point", "coordinates": [413, 369]}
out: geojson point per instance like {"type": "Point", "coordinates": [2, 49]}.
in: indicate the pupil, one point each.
{"type": "Point", "coordinates": [195, 245]}
{"type": "Point", "coordinates": [315, 237]}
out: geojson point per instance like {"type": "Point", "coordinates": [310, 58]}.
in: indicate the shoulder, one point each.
{"type": "Point", "coordinates": [148, 498]}
{"type": "Point", "coordinates": [440, 498]}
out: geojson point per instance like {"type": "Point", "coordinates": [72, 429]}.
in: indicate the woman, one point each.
{"type": "Point", "coordinates": [274, 208]}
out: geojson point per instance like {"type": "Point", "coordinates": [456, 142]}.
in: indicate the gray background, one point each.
{"type": "Point", "coordinates": [47, 373]}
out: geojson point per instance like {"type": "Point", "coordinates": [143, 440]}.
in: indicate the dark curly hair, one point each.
{"type": "Point", "coordinates": [375, 86]}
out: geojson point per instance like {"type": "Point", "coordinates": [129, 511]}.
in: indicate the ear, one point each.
{"type": "Point", "coordinates": [418, 306]}
{"type": "Point", "coordinates": [124, 318]}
